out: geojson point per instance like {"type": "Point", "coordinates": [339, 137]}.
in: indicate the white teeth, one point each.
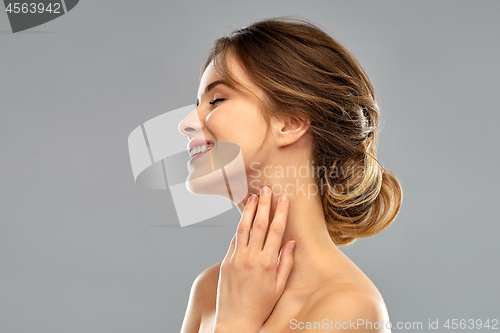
{"type": "Point", "coordinates": [200, 149]}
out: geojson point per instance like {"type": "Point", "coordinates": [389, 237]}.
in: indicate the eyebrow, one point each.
{"type": "Point", "coordinates": [210, 87]}
{"type": "Point", "coordinates": [213, 84]}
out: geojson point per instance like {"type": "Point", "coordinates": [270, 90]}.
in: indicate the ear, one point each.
{"type": "Point", "coordinates": [289, 129]}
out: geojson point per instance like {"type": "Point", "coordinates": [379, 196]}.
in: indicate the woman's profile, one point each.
{"type": "Point", "coordinates": [303, 113]}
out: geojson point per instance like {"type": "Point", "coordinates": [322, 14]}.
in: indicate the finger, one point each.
{"type": "Point", "coordinates": [285, 265]}
{"type": "Point", "coordinates": [230, 251]}
{"type": "Point", "coordinates": [278, 226]}
{"type": "Point", "coordinates": [261, 221]}
{"type": "Point", "coordinates": [245, 225]}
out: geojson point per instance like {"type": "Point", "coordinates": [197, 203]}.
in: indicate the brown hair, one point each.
{"type": "Point", "coordinates": [307, 74]}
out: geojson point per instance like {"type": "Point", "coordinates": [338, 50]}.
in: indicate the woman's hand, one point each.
{"type": "Point", "coordinates": [251, 279]}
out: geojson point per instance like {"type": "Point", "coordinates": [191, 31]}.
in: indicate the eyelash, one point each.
{"type": "Point", "coordinates": [215, 101]}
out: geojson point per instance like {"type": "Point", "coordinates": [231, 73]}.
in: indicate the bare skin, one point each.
{"type": "Point", "coordinates": [323, 283]}
{"type": "Point", "coordinates": [337, 281]}
{"type": "Point", "coordinates": [292, 304]}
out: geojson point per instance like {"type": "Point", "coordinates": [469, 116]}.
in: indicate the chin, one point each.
{"type": "Point", "coordinates": [209, 184]}
{"type": "Point", "coordinates": [226, 177]}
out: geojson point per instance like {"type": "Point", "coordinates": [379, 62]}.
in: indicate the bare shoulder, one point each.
{"type": "Point", "coordinates": [205, 286]}
{"type": "Point", "coordinates": [342, 306]}
{"type": "Point", "coordinates": [202, 299]}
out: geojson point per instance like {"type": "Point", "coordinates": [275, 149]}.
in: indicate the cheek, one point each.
{"type": "Point", "coordinates": [245, 129]}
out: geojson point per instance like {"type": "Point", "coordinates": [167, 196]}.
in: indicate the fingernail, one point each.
{"type": "Point", "coordinates": [292, 247]}
{"type": "Point", "coordinates": [253, 198]}
{"type": "Point", "coordinates": [283, 198]}
{"type": "Point", "coordinates": [265, 190]}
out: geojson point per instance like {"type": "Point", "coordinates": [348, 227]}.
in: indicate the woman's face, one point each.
{"type": "Point", "coordinates": [230, 119]}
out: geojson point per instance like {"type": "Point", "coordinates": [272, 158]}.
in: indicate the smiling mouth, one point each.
{"type": "Point", "coordinates": [200, 149]}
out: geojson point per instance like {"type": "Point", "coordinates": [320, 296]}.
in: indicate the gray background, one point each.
{"type": "Point", "coordinates": [83, 249]}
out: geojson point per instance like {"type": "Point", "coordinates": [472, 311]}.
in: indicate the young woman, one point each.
{"type": "Point", "coordinates": [304, 115]}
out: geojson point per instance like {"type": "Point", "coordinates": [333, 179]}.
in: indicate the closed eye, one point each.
{"type": "Point", "coordinates": [215, 101]}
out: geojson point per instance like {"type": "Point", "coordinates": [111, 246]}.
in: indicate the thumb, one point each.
{"type": "Point", "coordinates": [285, 265]}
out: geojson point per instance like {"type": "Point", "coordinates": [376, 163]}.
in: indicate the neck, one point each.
{"type": "Point", "coordinates": [314, 251]}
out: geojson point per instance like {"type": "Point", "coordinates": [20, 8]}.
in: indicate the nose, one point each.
{"type": "Point", "coordinates": [190, 125]}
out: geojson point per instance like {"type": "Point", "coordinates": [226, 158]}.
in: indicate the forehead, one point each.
{"type": "Point", "coordinates": [237, 72]}
{"type": "Point", "coordinates": [209, 75]}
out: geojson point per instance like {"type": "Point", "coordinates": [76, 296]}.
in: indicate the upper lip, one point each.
{"type": "Point", "coordinates": [197, 142]}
